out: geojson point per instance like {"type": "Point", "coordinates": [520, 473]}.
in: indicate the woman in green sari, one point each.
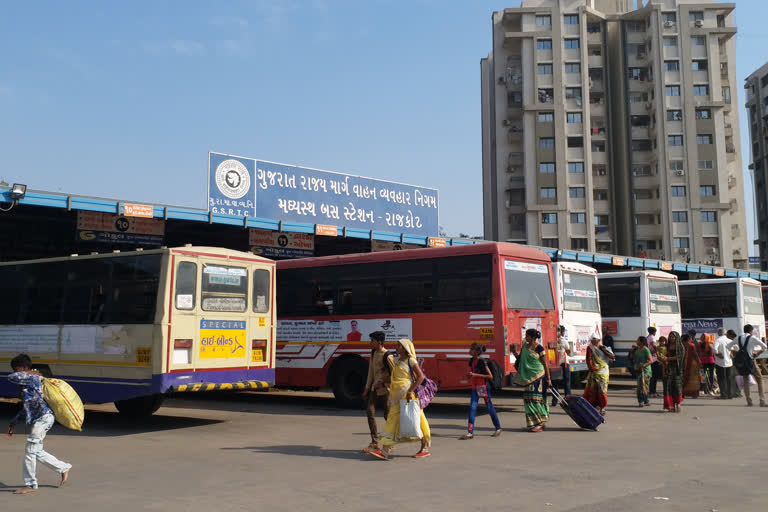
{"type": "Point", "coordinates": [643, 363]}
{"type": "Point", "coordinates": [532, 370]}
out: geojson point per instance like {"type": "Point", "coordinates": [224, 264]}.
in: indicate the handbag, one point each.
{"type": "Point", "coordinates": [410, 419]}
{"type": "Point", "coordinates": [426, 392]}
{"type": "Point", "coordinates": [482, 391]}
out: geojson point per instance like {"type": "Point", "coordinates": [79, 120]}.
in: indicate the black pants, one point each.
{"type": "Point", "coordinates": [565, 382]}
{"type": "Point", "coordinates": [375, 402]}
{"type": "Point", "coordinates": [655, 377]}
{"type": "Point", "coordinates": [724, 381]}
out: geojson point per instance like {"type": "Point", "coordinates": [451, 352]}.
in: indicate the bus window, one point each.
{"type": "Point", "coordinates": [753, 304]}
{"type": "Point", "coordinates": [663, 296]}
{"type": "Point", "coordinates": [464, 284]}
{"type": "Point", "coordinates": [186, 285]}
{"type": "Point", "coordinates": [620, 297]}
{"type": "Point", "coordinates": [133, 293]}
{"type": "Point", "coordinates": [261, 283]}
{"type": "Point", "coordinates": [711, 300]}
{"type": "Point", "coordinates": [408, 286]}
{"type": "Point", "coordinates": [528, 285]}
{"type": "Point", "coordinates": [224, 288]}
{"type": "Point", "coordinates": [360, 290]}
{"type": "Point", "coordinates": [580, 292]}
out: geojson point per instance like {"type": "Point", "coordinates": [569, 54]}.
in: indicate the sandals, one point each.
{"type": "Point", "coordinates": [496, 434]}
{"type": "Point", "coordinates": [537, 428]}
{"type": "Point", "coordinates": [421, 454]}
{"type": "Point", "coordinates": [466, 437]}
{"type": "Point", "coordinates": [378, 454]}
{"type": "Point", "coordinates": [371, 447]}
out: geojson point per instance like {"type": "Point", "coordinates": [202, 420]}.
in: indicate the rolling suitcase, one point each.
{"type": "Point", "coordinates": [579, 410]}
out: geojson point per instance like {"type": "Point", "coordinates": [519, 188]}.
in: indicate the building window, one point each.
{"type": "Point", "coordinates": [544, 69]}
{"type": "Point", "coordinates": [573, 117]}
{"type": "Point", "coordinates": [670, 41]}
{"type": "Point", "coordinates": [640, 145]}
{"type": "Point", "coordinates": [546, 142]}
{"type": "Point", "coordinates": [549, 218]}
{"type": "Point", "coordinates": [706, 164]}
{"type": "Point", "coordinates": [700, 90]}
{"type": "Point", "coordinates": [672, 90]}
{"type": "Point", "coordinates": [635, 26]}
{"type": "Point", "coordinates": [578, 244]}
{"type": "Point", "coordinates": [576, 192]}
{"type": "Point", "coordinates": [601, 220]}
{"type": "Point", "coordinates": [546, 117]}
{"type": "Point", "coordinates": [575, 142]}
{"type": "Point", "coordinates": [703, 114]}
{"type": "Point", "coordinates": [547, 168]}
{"type": "Point", "coordinates": [546, 96]}
{"type": "Point", "coordinates": [549, 242]}
{"type": "Point", "coordinates": [671, 65]}
{"type": "Point", "coordinates": [571, 19]}
{"type": "Point", "coordinates": [698, 40]}
{"type": "Point", "coordinates": [638, 97]}
{"type": "Point", "coordinates": [598, 147]}
{"type": "Point", "coordinates": [679, 216]}
{"type": "Point", "coordinates": [571, 44]}
{"type": "Point", "coordinates": [572, 67]}
{"type": "Point", "coordinates": [708, 216]}
{"type": "Point", "coordinates": [678, 191]}
{"type": "Point", "coordinates": [707, 190]}
{"type": "Point", "coordinates": [573, 93]}
{"type": "Point", "coordinates": [600, 194]}
{"type": "Point", "coordinates": [576, 167]}
{"type": "Point", "coordinates": [548, 193]}
{"type": "Point", "coordinates": [675, 115]}
{"type": "Point", "coordinates": [674, 140]}
{"type": "Point", "coordinates": [544, 44]}
{"type": "Point", "coordinates": [696, 16]}
{"type": "Point", "coordinates": [726, 91]}
{"type": "Point", "coordinates": [699, 65]}
{"type": "Point", "coordinates": [641, 170]}
{"type": "Point", "coordinates": [680, 242]}
{"type": "Point", "coordinates": [543, 21]}
{"type": "Point", "coordinates": [578, 218]}
{"type": "Point", "coordinates": [703, 139]}
{"type": "Point", "coordinates": [669, 16]}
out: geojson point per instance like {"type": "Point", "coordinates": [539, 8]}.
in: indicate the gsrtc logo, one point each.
{"type": "Point", "coordinates": [232, 178]}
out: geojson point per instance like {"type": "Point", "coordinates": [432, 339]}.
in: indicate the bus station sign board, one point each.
{"type": "Point", "coordinates": [273, 244]}
{"type": "Point", "coordinates": [267, 190]}
{"type": "Point", "coordinates": [119, 229]}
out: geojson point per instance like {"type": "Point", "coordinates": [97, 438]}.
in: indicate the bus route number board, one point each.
{"type": "Point", "coordinates": [257, 355]}
{"type": "Point", "coordinates": [486, 332]}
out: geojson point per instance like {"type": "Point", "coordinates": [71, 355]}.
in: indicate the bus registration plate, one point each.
{"type": "Point", "coordinates": [257, 355]}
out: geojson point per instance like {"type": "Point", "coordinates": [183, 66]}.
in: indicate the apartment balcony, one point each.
{"type": "Point", "coordinates": [709, 228]}
{"type": "Point", "coordinates": [579, 230]}
{"type": "Point", "coordinates": [681, 229]}
{"type": "Point", "coordinates": [649, 206]}
{"type": "Point", "coordinates": [515, 160]}
{"type": "Point", "coordinates": [594, 38]}
{"type": "Point", "coordinates": [575, 154]}
{"type": "Point", "coordinates": [648, 231]}
{"type": "Point", "coordinates": [595, 61]}
{"type": "Point", "coordinates": [599, 158]}
{"type": "Point", "coordinates": [513, 78]}
{"type": "Point", "coordinates": [596, 85]}
{"type": "Point", "coordinates": [597, 131]}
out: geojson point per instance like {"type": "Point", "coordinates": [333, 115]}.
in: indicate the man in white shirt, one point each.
{"type": "Point", "coordinates": [723, 364]}
{"type": "Point", "coordinates": [750, 347]}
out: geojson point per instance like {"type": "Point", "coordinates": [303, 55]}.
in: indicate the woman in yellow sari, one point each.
{"type": "Point", "coordinates": [406, 377]}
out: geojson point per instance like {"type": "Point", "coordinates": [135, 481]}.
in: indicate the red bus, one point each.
{"type": "Point", "coordinates": [444, 299]}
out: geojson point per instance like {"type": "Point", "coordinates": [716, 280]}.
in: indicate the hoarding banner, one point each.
{"type": "Point", "coordinates": [273, 244]}
{"type": "Point", "coordinates": [107, 227]}
{"type": "Point", "coordinates": [255, 188]}
{"type": "Point", "coordinates": [382, 246]}
{"type": "Point", "coordinates": [705, 325]}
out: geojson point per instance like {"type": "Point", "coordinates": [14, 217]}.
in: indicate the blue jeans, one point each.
{"type": "Point", "coordinates": [34, 453]}
{"type": "Point", "coordinates": [473, 409]}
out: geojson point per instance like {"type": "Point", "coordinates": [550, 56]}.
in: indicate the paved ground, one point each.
{"type": "Point", "coordinates": [296, 451]}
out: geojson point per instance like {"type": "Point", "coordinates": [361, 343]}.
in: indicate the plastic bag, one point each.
{"type": "Point", "coordinates": [64, 402]}
{"type": "Point", "coordinates": [740, 381]}
{"type": "Point", "coordinates": [410, 419]}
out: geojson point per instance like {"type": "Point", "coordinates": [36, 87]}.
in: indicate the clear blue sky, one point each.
{"type": "Point", "coordinates": [125, 100]}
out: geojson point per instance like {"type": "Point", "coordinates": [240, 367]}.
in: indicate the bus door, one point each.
{"type": "Point", "coordinates": [260, 342]}
{"type": "Point", "coordinates": [183, 334]}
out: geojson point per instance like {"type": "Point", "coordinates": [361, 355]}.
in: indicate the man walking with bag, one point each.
{"type": "Point", "coordinates": [39, 419]}
{"type": "Point", "coordinates": [748, 347]}
{"type": "Point", "coordinates": [376, 389]}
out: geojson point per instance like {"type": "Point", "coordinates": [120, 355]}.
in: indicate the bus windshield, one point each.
{"type": "Point", "coordinates": [753, 304]}
{"type": "Point", "coordinates": [528, 285]}
{"type": "Point", "coordinates": [709, 300]}
{"type": "Point", "coordinates": [580, 292]}
{"type": "Point", "coordinates": [663, 296]}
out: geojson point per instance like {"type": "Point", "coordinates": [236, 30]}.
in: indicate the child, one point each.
{"type": "Point", "coordinates": [40, 419]}
{"type": "Point", "coordinates": [479, 375]}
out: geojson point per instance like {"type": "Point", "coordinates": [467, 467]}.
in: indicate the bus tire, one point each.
{"type": "Point", "coordinates": [140, 407]}
{"type": "Point", "coordinates": [497, 382]}
{"type": "Point", "coordinates": [348, 381]}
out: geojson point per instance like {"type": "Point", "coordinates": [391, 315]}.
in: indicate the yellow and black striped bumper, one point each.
{"type": "Point", "coordinates": [227, 386]}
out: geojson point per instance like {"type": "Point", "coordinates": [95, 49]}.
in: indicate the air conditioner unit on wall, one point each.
{"type": "Point", "coordinates": [506, 122]}
{"type": "Point", "coordinates": [699, 23]}
{"type": "Point", "coordinates": [669, 24]}
{"type": "Point", "coordinates": [680, 172]}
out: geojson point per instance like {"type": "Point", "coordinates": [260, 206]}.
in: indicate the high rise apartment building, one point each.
{"type": "Point", "coordinates": [757, 111]}
{"type": "Point", "coordinates": [613, 128]}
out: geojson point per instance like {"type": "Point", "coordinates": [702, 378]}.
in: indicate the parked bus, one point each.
{"type": "Point", "coordinates": [444, 299]}
{"type": "Point", "coordinates": [730, 303]}
{"type": "Point", "coordinates": [128, 327]}
{"type": "Point", "coordinates": [632, 301]}
{"type": "Point", "coordinates": [579, 307]}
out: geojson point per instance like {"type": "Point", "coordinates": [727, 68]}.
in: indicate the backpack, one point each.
{"type": "Point", "coordinates": [426, 392]}
{"type": "Point", "coordinates": [387, 357]}
{"type": "Point", "coordinates": [742, 360]}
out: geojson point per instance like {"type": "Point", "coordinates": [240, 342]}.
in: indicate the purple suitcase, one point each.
{"type": "Point", "coordinates": [579, 410]}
